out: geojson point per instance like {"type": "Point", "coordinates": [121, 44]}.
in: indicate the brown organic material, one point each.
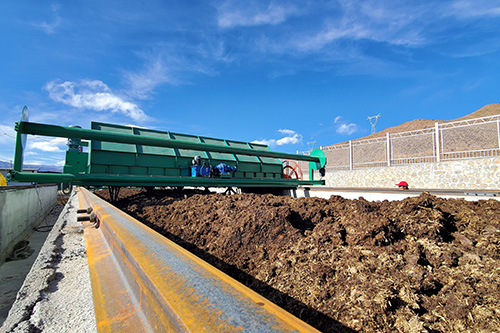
{"type": "Point", "coordinates": [420, 264]}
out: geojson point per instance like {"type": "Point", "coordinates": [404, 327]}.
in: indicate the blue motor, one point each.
{"type": "Point", "coordinates": [199, 170]}
{"type": "Point", "coordinates": [222, 169]}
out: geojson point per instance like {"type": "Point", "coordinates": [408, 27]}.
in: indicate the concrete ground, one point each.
{"type": "Point", "coordinates": [13, 273]}
{"type": "Point", "coordinates": [56, 295]}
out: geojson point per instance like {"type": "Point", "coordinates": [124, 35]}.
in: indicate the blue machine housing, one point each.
{"type": "Point", "coordinates": [200, 171]}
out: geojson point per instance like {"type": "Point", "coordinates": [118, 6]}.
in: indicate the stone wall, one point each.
{"type": "Point", "coordinates": [480, 173]}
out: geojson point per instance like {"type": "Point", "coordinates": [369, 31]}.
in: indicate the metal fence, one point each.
{"type": "Point", "coordinates": [479, 137]}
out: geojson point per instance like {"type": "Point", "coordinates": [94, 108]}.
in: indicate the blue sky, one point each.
{"type": "Point", "coordinates": [287, 73]}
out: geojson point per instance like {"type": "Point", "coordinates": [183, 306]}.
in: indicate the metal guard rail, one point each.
{"type": "Point", "coordinates": [143, 282]}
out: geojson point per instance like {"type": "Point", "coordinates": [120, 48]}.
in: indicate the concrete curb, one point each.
{"type": "Point", "coordinates": [57, 295]}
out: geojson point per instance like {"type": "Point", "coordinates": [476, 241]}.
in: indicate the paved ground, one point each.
{"type": "Point", "coordinates": [13, 273]}
{"type": "Point", "coordinates": [57, 294]}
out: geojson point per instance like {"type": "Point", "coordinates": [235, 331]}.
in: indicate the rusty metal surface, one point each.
{"type": "Point", "coordinates": [141, 281]}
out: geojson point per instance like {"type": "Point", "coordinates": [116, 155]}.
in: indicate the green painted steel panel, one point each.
{"type": "Point", "coordinates": [270, 160]}
{"type": "Point", "coordinates": [112, 158]}
{"type": "Point", "coordinates": [142, 160]}
{"type": "Point", "coordinates": [112, 146]}
{"type": "Point", "coordinates": [184, 137]}
{"type": "Point", "coordinates": [221, 156]}
{"type": "Point", "coordinates": [212, 141]}
{"type": "Point", "coordinates": [148, 160]}
{"type": "Point", "coordinates": [258, 146]}
{"type": "Point", "coordinates": [156, 171]}
{"type": "Point", "coordinates": [119, 170]}
{"type": "Point", "coordinates": [272, 168]}
{"type": "Point", "coordinates": [76, 162]}
{"type": "Point", "coordinates": [173, 172]}
{"type": "Point", "coordinates": [249, 167]}
{"type": "Point", "coordinates": [99, 169]}
{"type": "Point", "coordinates": [142, 171]}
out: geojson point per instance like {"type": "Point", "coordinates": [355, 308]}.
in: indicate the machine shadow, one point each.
{"type": "Point", "coordinates": [300, 310]}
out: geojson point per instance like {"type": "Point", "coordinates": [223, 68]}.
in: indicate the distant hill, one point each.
{"type": "Point", "coordinates": [485, 111]}
{"type": "Point", "coordinates": [40, 168]}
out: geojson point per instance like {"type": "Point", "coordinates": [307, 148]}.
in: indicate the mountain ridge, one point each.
{"type": "Point", "coordinates": [418, 124]}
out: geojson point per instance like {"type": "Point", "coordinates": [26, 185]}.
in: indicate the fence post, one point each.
{"type": "Point", "coordinates": [438, 144]}
{"type": "Point", "coordinates": [350, 155]}
{"type": "Point", "coordinates": [388, 148]}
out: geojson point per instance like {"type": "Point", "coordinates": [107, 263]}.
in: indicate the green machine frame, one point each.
{"type": "Point", "coordinates": [132, 156]}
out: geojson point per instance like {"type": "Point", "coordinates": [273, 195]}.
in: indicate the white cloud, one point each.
{"type": "Point", "coordinates": [93, 95]}
{"type": "Point", "coordinates": [232, 14]}
{"type": "Point", "coordinates": [347, 128]}
{"type": "Point", "coordinates": [344, 127]}
{"type": "Point", "coordinates": [287, 131]}
{"type": "Point", "coordinates": [52, 145]}
{"type": "Point", "coordinates": [291, 137]}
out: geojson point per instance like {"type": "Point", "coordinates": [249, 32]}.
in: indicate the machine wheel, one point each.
{"type": "Point", "coordinates": [291, 170]}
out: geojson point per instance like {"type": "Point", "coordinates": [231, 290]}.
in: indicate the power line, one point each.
{"type": "Point", "coordinates": [6, 134]}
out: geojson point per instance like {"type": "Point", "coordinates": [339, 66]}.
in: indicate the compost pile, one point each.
{"type": "Point", "coordinates": [416, 265]}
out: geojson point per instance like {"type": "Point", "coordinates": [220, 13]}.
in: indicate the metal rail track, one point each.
{"type": "Point", "coordinates": [446, 192]}
{"type": "Point", "coordinates": [143, 282]}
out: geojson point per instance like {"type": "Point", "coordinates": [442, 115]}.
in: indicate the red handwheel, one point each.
{"type": "Point", "coordinates": [291, 170]}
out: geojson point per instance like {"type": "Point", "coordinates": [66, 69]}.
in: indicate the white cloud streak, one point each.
{"type": "Point", "coordinates": [50, 27]}
{"type": "Point", "coordinates": [233, 14]}
{"type": "Point", "coordinates": [400, 23]}
{"type": "Point", "coordinates": [93, 95]}
{"type": "Point", "coordinates": [290, 138]}
{"type": "Point", "coordinates": [142, 83]}
{"type": "Point", "coordinates": [366, 20]}
{"type": "Point", "coordinates": [472, 9]}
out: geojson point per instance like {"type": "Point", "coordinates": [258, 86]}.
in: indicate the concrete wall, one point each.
{"type": "Point", "coordinates": [480, 173]}
{"type": "Point", "coordinates": [22, 208]}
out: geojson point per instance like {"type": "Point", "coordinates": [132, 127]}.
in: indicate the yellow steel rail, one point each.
{"type": "Point", "coordinates": [142, 282]}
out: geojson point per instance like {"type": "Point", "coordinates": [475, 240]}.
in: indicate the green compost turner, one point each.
{"type": "Point", "coordinates": [115, 155]}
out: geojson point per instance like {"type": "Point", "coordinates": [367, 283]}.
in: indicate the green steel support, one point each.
{"type": "Point", "coordinates": [86, 134]}
{"type": "Point", "coordinates": [18, 155]}
{"type": "Point", "coordinates": [128, 180]}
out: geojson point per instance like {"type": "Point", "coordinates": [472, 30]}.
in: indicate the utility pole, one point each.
{"type": "Point", "coordinates": [373, 121]}
{"type": "Point", "coordinates": [310, 145]}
